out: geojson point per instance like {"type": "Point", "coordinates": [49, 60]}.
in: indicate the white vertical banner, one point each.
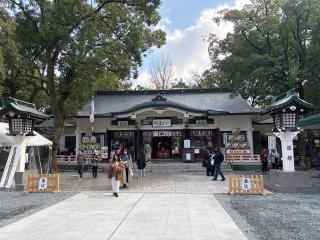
{"type": "Point", "coordinates": [92, 110]}
{"type": "Point", "coordinates": [272, 142]}
{"type": "Point", "coordinates": [102, 140]}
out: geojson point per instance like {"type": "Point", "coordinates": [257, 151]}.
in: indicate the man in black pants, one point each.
{"type": "Point", "coordinates": [218, 159]}
{"type": "Point", "coordinates": [80, 160]}
{"type": "Point", "coordinates": [207, 162]}
{"type": "Point", "coordinates": [95, 160]}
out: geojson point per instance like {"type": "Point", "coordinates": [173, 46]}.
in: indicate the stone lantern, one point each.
{"type": "Point", "coordinates": [286, 111]}
{"type": "Point", "coordinates": [21, 117]}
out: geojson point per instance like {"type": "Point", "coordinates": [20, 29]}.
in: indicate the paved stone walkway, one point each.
{"type": "Point", "coordinates": [179, 183]}
{"type": "Point", "coordinates": [98, 215]}
{"type": "Point", "coordinates": [168, 207]}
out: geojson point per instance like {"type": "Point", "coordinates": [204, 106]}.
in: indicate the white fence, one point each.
{"type": "Point", "coordinates": [66, 160]}
{"type": "Point", "coordinates": [242, 158]}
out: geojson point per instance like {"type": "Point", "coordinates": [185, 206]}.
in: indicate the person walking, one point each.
{"type": "Point", "coordinates": [95, 163]}
{"type": "Point", "coordinates": [207, 162]}
{"type": "Point", "coordinates": [147, 152]}
{"type": "Point", "coordinates": [80, 160]}
{"type": "Point", "coordinates": [264, 160]}
{"type": "Point", "coordinates": [218, 159]}
{"type": "Point", "coordinates": [274, 159]}
{"type": "Point", "coordinates": [213, 169]}
{"type": "Point", "coordinates": [127, 160]}
{"type": "Point", "coordinates": [117, 168]}
{"type": "Point", "coordinates": [317, 161]}
{"type": "Point", "coordinates": [141, 162]}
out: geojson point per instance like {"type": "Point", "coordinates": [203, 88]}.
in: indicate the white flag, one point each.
{"type": "Point", "coordinates": [92, 110]}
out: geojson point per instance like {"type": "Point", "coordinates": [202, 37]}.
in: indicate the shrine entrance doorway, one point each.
{"type": "Point", "coordinates": [161, 147]}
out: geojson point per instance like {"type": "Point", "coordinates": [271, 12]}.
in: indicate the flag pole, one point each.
{"type": "Point", "coordinates": [91, 118]}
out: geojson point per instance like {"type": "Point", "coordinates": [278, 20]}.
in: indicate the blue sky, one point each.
{"type": "Point", "coordinates": [187, 24]}
{"type": "Point", "coordinates": [183, 13]}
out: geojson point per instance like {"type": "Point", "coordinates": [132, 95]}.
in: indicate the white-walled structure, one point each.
{"type": "Point", "coordinates": [164, 119]}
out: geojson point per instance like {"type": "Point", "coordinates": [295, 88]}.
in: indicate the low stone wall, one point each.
{"type": "Point", "coordinates": [246, 167]}
{"type": "Point", "coordinates": [296, 182]}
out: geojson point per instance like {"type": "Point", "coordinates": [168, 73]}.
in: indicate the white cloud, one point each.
{"type": "Point", "coordinates": [144, 79]}
{"type": "Point", "coordinates": [163, 24]}
{"type": "Point", "coordinates": [188, 47]}
{"type": "Point", "coordinates": [165, 20]}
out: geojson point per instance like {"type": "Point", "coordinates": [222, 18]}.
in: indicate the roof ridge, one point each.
{"type": "Point", "coordinates": [159, 91]}
{"type": "Point", "coordinates": [21, 102]}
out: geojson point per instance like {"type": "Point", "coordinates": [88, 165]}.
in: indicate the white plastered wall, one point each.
{"type": "Point", "coordinates": [224, 123]}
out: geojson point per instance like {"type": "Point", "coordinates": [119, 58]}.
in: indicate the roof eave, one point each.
{"type": "Point", "coordinates": [293, 99]}
{"type": "Point", "coordinates": [9, 107]}
{"type": "Point", "coordinates": [232, 113]}
{"type": "Point", "coordinates": [312, 120]}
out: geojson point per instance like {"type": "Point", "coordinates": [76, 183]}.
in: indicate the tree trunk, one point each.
{"type": "Point", "coordinates": [312, 148]}
{"type": "Point", "coordinates": [56, 107]}
{"type": "Point", "coordinates": [58, 131]}
{"type": "Point", "coordinates": [307, 148]}
{"type": "Point", "coordinates": [302, 148]}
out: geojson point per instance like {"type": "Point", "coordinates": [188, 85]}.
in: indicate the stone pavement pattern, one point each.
{"type": "Point", "coordinates": [179, 183]}
{"type": "Point", "coordinates": [98, 215]}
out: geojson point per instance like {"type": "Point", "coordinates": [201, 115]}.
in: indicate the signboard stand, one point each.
{"type": "Point", "coordinates": [43, 183]}
{"type": "Point", "coordinates": [253, 185]}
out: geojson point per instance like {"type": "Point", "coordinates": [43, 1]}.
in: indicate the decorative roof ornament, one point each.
{"type": "Point", "coordinates": [159, 97]}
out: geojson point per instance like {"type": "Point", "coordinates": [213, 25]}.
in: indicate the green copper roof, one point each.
{"type": "Point", "coordinates": [312, 122]}
{"type": "Point", "coordinates": [286, 100]}
{"type": "Point", "coordinates": [22, 107]}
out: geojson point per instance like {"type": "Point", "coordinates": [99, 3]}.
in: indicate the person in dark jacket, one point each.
{"type": "Point", "coordinates": [207, 162]}
{"type": "Point", "coordinates": [218, 159]}
{"type": "Point", "coordinates": [95, 163]}
{"type": "Point", "coordinates": [141, 162]}
{"type": "Point", "coordinates": [80, 160]}
{"type": "Point", "coordinates": [264, 160]}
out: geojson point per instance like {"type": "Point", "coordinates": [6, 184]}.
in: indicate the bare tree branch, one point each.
{"type": "Point", "coordinates": [161, 72]}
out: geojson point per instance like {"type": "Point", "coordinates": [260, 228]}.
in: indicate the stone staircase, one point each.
{"type": "Point", "coordinates": [170, 167]}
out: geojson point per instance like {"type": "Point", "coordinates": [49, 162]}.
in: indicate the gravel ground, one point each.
{"type": "Point", "coordinates": [17, 205]}
{"type": "Point", "coordinates": [276, 216]}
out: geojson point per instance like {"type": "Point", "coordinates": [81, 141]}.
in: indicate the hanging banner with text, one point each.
{"type": "Point", "coordinates": [272, 142]}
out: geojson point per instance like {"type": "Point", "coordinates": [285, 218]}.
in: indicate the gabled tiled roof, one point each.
{"type": "Point", "coordinates": [209, 101]}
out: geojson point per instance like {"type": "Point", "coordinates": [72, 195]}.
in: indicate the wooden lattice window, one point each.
{"type": "Point", "coordinates": [289, 120]}
{"type": "Point", "coordinates": [28, 125]}
{"type": "Point", "coordinates": [17, 125]}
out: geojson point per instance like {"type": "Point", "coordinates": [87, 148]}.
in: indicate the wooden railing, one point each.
{"type": "Point", "coordinates": [66, 160]}
{"type": "Point", "coordinates": [242, 158]}
{"type": "Point", "coordinates": [72, 160]}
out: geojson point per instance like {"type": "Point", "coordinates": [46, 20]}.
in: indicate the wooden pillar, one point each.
{"type": "Point", "coordinates": [136, 144]}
